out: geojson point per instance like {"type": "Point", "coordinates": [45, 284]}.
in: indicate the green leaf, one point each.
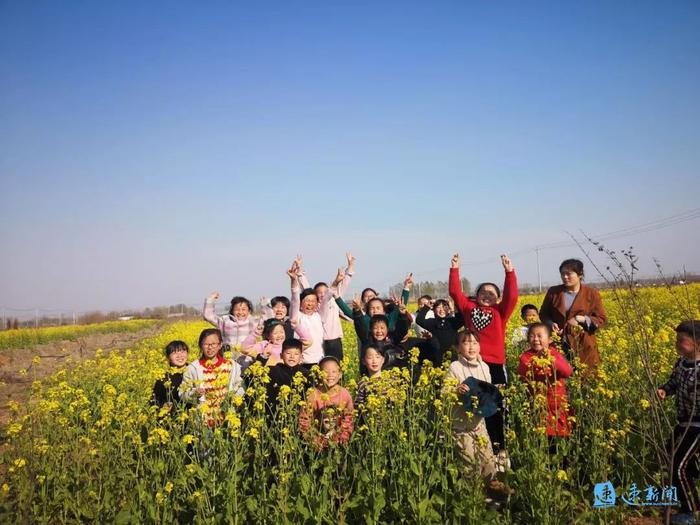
{"type": "Point", "coordinates": [123, 517]}
{"type": "Point", "coordinates": [301, 508]}
{"type": "Point", "coordinates": [251, 504]}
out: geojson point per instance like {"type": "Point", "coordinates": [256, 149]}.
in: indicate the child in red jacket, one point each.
{"type": "Point", "coordinates": [544, 369]}
{"type": "Point", "coordinates": [488, 316]}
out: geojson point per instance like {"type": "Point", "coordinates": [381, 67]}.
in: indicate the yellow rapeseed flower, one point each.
{"type": "Point", "coordinates": [14, 428]}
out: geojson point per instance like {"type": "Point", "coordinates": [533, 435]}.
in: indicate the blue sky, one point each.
{"type": "Point", "coordinates": [153, 152]}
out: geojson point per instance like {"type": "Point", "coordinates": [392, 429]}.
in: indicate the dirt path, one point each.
{"type": "Point", "coordinates": [15, 386]}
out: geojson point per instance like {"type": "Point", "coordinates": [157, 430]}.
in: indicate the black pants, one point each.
{"type": "Point", "coordinates": [686, 441]}
{"type": "Point", "coordinates": [333, 347]}
{"type": "Point", "coordinates": [496, 422]}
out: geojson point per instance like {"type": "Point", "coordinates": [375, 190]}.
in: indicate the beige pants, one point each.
{"type": "Point", "coordinates": [474, 448]}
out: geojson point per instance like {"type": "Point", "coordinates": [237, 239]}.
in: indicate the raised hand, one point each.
{"type": "Point", "coordinates": [408, 281]}
{"type": "Point", "coordinates": [298, 262]}
{"type": "Point", "coordinates": [339, 277]}
{"type": "Point", "coordinates": [292, 271]}
{"type": "Point", "coordinates": [351, 259]}
{"type": "Point", "coordinates": [402, 306]}
{"type": "Point", "coordinates": [214, 296]}
{"type": "Point", "coordinates": [506, 262]}
{"type": "Point", "coordinates": [357, 303]}
{"type": "Point", "coordinates": [455, 260]}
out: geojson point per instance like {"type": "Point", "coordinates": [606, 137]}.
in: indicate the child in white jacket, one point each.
{"type": "Point", "coordinates": [468, 428]}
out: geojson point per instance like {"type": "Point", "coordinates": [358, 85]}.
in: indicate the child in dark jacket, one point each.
{"type": "Point", "coordinates": [380, 336]}
{"type": "Point", "coordinates": [370, 304]}
{"type": "Point", "coordinates": [283, 374]}
{"type": "Point", "coordinates": [443, 328]}
{"type": "Point", "coordinates": [685, 440]}
{"type": "Point", "coordinates": [378, 330]}
{"type": "Point", "coordinates": [165, 390]}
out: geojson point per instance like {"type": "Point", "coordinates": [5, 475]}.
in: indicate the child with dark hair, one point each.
{"type": "Point", "coordinates": [208, 380]}
{"type": "Point", "coordinates": [423, 300]}
{"type": "Point", "coordinates": [380, 335]}
{"type": "Point", "coordinates": [327, 417]}
{"type": "Point", "coordinates": [284, 372]}
{"type": "Point", "coordinates": [278, 308]}
{"type": "Point", "coordinates": [166, 389]}
{"type": "Point", "coordinates": [529, 315]}
{"type": "Point", "coordinates": [370, 304]}
{"type": "Point", "coordinates": [488, 316]}
{"type": "Point", "coordinates": [273, 336]}
{"type": "Point", "coordinates": [442, 327]}
{"type": "Point", "coordinates": [367, 294]}
{"type": "Point", "coordinates": [372, 356]}
{"type": "Point", "coordinates": [235, 326]}
{"type": "Point", "coordinates": [685, 439]}
{"type": "Point", "coordinates": [544, 370]}
{"type": "Point", "coordinates": [378, 331]}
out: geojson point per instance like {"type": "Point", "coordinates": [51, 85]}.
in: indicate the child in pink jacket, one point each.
{"type": "Point", "coordinates": [273, 336]}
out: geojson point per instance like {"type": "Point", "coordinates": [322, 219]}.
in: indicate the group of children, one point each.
{"type": "Point", "coordinates": [293, 335]}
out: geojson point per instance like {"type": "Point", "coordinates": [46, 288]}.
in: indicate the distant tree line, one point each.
{"type": "Point", "coordinates": [96, 316]}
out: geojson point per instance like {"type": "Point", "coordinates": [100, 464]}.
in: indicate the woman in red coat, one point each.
{"type": "Point", "coordinates": [575, 312]}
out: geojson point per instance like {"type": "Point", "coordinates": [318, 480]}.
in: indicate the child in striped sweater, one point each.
{"type": "Point", "coordinates": [208, 380]}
